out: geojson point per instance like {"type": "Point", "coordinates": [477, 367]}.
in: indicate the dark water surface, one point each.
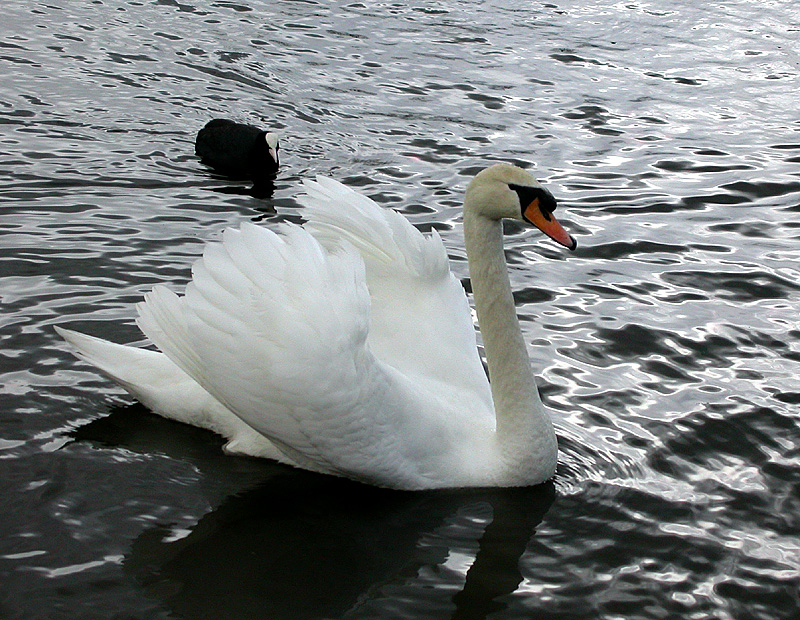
{"type": "Point", "coordinates": [668, 345]}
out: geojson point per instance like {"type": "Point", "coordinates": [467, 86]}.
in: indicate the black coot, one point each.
{"type": "Point", "coordinates": [238, 151]}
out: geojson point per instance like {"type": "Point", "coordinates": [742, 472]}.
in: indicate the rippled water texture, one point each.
{"type": "Point", "coordinates": [668, 345]}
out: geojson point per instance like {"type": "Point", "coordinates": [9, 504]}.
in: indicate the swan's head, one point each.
{"type": "Point", "coordinates": [272, 146]}
{"type": "Point", "coordinates": [505, 191]}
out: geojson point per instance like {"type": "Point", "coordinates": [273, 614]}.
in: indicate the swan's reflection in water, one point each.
{"type": "Point", "coordinates": [305, 546]}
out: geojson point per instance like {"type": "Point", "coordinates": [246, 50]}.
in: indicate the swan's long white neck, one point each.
{"type": "Point", "coordinates": [523, 427]}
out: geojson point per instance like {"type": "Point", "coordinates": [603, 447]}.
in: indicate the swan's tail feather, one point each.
{"type": "Point", "coordinates": [128, 366]}
{"type": "Point", "coordinates": [165, 389]}
{"type": "Point", "coordinates": [149, 376]}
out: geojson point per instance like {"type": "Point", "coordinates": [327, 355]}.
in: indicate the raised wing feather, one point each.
{"type": "Point", "coordinates": [385, 239]}
{"type": "Point", "coordinates": [421, 320]}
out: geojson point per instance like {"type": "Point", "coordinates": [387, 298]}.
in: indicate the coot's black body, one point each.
{"type": "Point", "coordinates": [238, 151]}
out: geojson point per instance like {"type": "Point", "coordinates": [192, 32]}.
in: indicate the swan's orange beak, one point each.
{"type": "Point", "coordinates": [548, 225]}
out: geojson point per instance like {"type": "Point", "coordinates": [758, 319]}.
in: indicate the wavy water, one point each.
{"type": "Point", "coordinates": [667, 346]}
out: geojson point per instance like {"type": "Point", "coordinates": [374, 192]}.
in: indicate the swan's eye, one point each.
{"type": "Point", "coordinates": [527, 194]}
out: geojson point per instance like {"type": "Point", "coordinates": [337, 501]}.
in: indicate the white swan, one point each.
{"type": "Point", "coordinates": [347, 347]}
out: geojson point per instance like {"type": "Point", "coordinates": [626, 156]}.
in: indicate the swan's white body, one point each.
{"type": "Point", "coordinates": [347, 347]}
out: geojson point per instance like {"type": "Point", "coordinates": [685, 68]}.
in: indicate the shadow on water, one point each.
{"type": "Point", "coordinates": [260, 191]}
{"type": "Point", "coordinates": [239, 185]}
{"type": "Point", "coordinates": [298, 545]}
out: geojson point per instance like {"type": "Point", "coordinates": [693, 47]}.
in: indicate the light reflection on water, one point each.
{"type": "Point", "coordinates": [668, 345]}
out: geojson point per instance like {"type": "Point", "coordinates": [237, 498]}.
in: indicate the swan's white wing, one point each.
{"type": "Point", "coordinates": [275, 328]}
{"type": "Point", "coordinates": [421, 322]}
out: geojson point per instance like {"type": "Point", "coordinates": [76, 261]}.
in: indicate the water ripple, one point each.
{"type": "Point", "coordinates": [667, 346]}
